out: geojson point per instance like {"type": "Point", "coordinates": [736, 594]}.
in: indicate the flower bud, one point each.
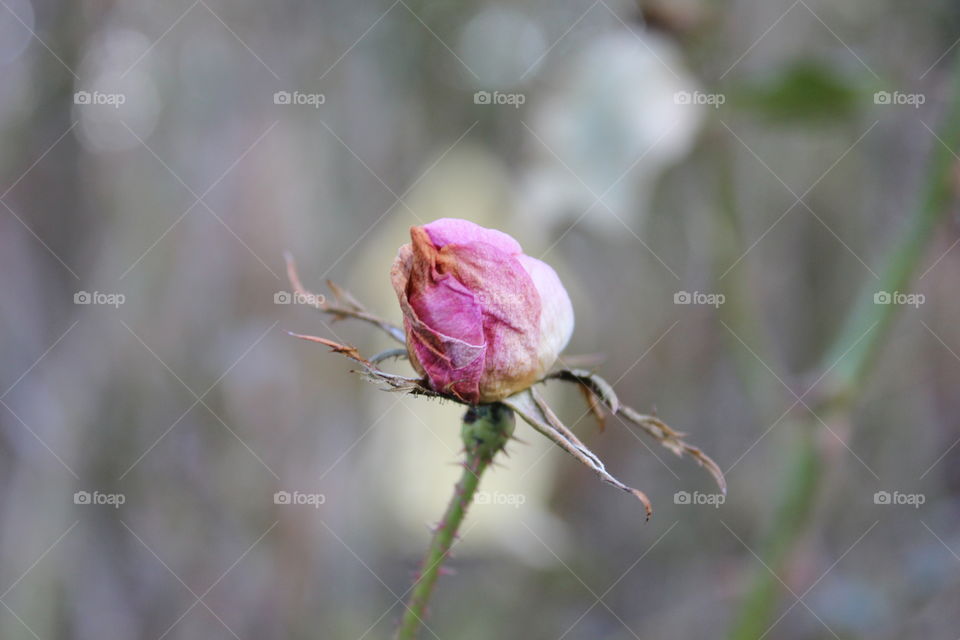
{"type": "Point", "coordinates": [483, 321]}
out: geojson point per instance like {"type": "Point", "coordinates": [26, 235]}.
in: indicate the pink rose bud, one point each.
{"type": "Point", "coordinates": [483, 320]}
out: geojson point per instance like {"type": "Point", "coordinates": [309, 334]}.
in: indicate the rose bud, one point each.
{"type": "Point", "coordinates": [483, 321]}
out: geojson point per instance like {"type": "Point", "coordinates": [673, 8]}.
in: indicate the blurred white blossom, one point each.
{"type": "Point", "coordinates": [610, 127]}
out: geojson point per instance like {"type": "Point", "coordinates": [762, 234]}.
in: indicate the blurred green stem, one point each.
{"type": "Point", "coordinates": [850, 355]}
{"type": "Point", "coordinates": [740, 309]}
{"type": "Point", "coordinates": [485, 431]}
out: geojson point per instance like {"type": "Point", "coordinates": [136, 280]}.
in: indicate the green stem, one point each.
{"type": "Point", "coordinates": [485, 431]}
{"type": "Point", "coordinates": [850, 355]}
{"type": "Point", "coordinates": [795, 504]}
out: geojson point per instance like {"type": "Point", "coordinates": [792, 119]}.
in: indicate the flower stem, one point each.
{"type": "Point", "coordinates": [485, 431]}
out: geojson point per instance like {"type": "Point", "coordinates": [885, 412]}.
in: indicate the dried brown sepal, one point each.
{"type": "Point", "coordinates": [344, 349]}
{"type": "Point", "coordinates": [673, 440]}
{"type": "Point", "coordinates": [372, 373]}
{"type": "Point", "coordinates": [595, 406]}
{"type": "Point", "coordinates": [600, 387]}
{"type": "Point", "coordinates": [398, 353]}
{"type": "Point", "coordinates": [344, 296]}
{"type": "Point", "coordinates": [652, 425]}
{"type": "Point", "coordinates": [556, 423]}
{"type": "Point", "coordinates": [596, 391]}
{"type": "Point", "coordinates": [528, 407]}
{"type": "Point", "coordinates": [346, 305]}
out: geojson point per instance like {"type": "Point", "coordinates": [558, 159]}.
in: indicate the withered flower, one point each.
{"type": "Point", "coordinates": [483, 324]}
{"type": "Point", "coordinates": [482, 319]}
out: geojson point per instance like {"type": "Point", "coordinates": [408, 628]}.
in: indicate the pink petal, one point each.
{"type": "Point", "coordinates": [455, 231]}
{"type": "Point", "coordinates": [482, 319]}
{"type": "Point", "coordinates": [556, 315]}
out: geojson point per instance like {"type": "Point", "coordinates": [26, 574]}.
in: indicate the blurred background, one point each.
{"type": "Point", "coordinates": [716, 184]}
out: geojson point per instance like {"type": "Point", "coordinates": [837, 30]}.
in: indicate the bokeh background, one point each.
{"type": "Point", "coordinates": [158, 158]}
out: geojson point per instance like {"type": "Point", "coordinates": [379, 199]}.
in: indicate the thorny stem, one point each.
{"type": "Point", "coordinates": [851, 355]}
{"type": "Point", "coordinates": [485, 431]}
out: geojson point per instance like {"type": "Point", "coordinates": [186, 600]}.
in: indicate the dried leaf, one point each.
{"type": "Point", "coordinates": [539, 416]}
